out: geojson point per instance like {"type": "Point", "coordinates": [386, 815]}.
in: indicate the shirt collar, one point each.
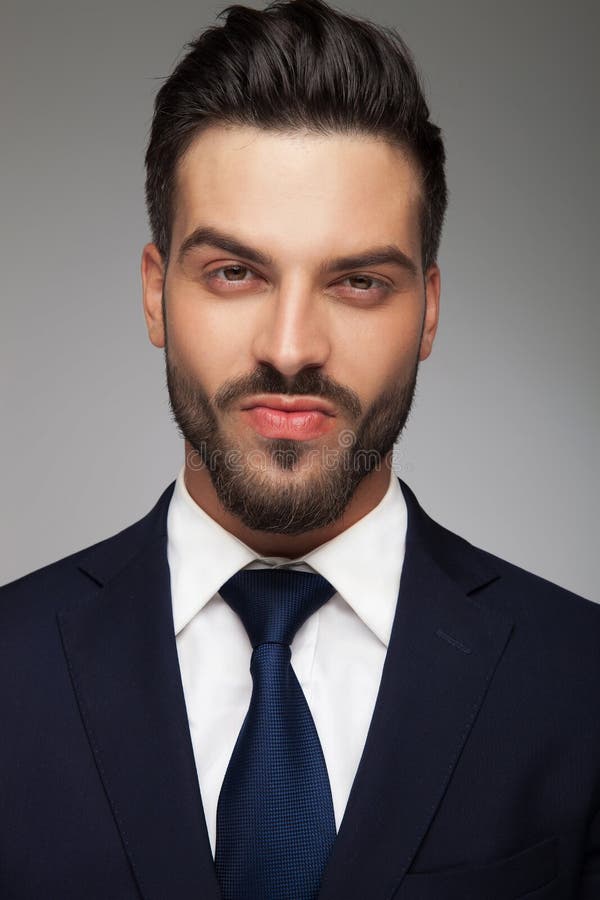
{"type": "Point", "coordinates": [363, 563]}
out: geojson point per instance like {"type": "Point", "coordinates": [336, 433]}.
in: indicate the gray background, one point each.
{"type": "Point", "coordinates": [502, 446]}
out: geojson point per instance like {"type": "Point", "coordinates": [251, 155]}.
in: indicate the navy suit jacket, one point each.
{"type": "Point", "coordinates": [480, 777]}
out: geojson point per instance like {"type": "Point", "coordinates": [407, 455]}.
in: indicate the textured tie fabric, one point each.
{"type": "Point", "coordinates": [275, 820]}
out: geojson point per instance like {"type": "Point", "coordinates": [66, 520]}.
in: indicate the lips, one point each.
{"type": "Point", "coordinates": [289, 404]}
{"type": "Point", "coordinates": [292, 418]}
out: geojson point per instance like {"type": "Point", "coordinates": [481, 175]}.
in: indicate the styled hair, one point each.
{"type": "Point", "coordinates": [297, 65]}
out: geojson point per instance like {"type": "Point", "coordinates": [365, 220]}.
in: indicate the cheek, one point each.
{"type": "Point", "coordinates": [206, 342]}
{"type": "Point", "coordinates": [375, 350]}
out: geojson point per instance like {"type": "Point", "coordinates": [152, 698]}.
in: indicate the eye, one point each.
{"type": "Point", "coordinates": [361, 282]}
{"type": "Point", "coordinates": [365, 285]}
{"type": "Point", "coordinates": [235, 272]}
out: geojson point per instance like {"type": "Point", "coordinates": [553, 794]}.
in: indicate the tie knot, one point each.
{"type": "Point", "coordinates": [274, 603]}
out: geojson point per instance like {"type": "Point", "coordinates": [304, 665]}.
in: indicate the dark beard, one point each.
{"type": "Point", "coordinates": [297, 506]}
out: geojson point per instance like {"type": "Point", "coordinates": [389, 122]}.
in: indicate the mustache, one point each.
{"type": "Point", "coordinates": [268, 380]}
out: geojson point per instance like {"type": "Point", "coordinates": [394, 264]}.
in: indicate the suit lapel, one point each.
{"type": "Point", "coordinates": [442, 654]}
{"type": "Point", "coordinates": [121, 651]}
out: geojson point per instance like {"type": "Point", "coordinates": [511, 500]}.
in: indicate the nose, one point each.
{"type": "Point", "coordinates": [292, 332]}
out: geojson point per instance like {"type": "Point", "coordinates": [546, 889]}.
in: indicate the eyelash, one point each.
{"type": "Point", "coordinates": [376, 282]}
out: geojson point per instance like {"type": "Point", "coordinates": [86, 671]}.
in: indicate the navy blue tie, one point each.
{"type": "Point", "coordinates": [275, 821]}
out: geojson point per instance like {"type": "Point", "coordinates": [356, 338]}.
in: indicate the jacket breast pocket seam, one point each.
{"type": "Point", "coordinates": [516, 877]}
{"type": "Point", "coordinates": [532, 895]}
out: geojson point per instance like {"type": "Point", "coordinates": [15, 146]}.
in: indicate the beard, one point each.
{"type": "Point", "coordinates": [242, 477]}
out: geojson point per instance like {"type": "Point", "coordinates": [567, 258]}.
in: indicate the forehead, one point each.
{"type": "Point", "coordinates": [298, 190]}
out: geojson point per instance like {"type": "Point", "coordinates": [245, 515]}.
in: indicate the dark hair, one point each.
{"type": "Point", "coordinates": [297, 64]}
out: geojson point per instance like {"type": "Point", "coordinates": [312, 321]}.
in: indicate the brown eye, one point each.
{"type": "Point", "coordinates": [234, 273]}
{"type": "Point", "coordinates": [226, 278]}
{"type": "Point", "coordinates": [361, 282]}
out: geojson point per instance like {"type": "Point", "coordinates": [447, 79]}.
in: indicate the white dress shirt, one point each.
{"type": "Point", "coordinates": [337, 654]}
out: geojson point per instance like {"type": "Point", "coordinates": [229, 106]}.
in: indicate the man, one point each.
{"type": "Point", "coordinates": [287, 681]}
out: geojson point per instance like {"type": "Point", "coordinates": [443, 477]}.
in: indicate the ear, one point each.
{"type": "Point", "coordinates": [153, 279]}
{"type": "Point", "coordinates": [432, 310]}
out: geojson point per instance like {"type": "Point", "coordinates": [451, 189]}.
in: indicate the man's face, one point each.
{"type": "Point", "coordinates": [291, 362]}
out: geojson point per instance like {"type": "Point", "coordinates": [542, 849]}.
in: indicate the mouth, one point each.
{"type": "Point", "coordinates": [284, 403]}
{"type": "Point", "coordinates": [295, 418]}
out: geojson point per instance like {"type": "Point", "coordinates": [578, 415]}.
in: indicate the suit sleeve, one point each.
{"type": "Point", "coordinates": [590, 879]}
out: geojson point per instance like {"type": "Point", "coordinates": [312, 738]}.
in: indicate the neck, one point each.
{"type": "Point", "coordinates": [367, 495]}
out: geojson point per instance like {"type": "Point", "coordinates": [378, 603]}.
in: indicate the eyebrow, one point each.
{"type": "Point", "coordinates": [376, 256]}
